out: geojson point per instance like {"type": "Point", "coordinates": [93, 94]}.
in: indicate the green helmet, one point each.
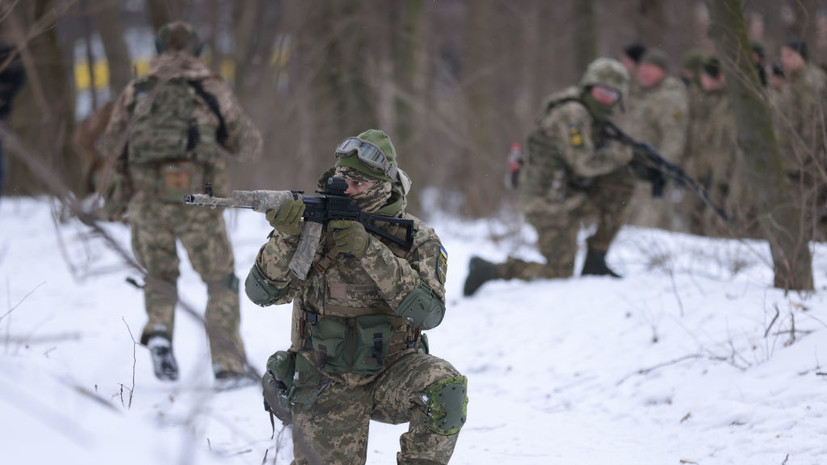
{"type": "Point", "coordinates": [606, 72]}
{"type": "Point", "coordinates": [178, 35]}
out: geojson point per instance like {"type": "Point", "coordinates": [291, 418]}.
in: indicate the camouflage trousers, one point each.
{"type": "Point", "coordinates": [330, 423]}
{"type": "Point", "coordinates": [155, 229]}
{"type": "Point", "coordinates": [607, 199]}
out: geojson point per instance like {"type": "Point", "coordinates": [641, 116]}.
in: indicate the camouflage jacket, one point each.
{"type": "Point", "coordinates": [800, 121]}
{"type": "Point", "coordinates": [341, 288]}
{"type": "Point", "coordinates": [659, 116]}
{"type": "Point", "coordinates": [712, 148]}
{"type": "Point", "coordinates": [565, 151]}
{"type": "Point", "coordinates": [243, 138]}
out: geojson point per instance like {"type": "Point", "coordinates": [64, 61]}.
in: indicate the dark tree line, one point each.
{"type": "Point", "coordinates": [454, 82]}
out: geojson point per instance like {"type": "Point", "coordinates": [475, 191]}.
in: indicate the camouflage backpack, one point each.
{"type": "Point", "coordinates": [164, 127]}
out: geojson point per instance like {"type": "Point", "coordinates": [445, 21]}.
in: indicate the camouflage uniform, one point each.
{"type": "Point", "coordinates": [158, 217]}
{"type": "Point", "coordinates": [658, 117]}
{"type": "Point", "coordinates": [713, 159]}
{"type": "Point", "coordinates": [356, 358]}
{"type": "Point", "coordinates": [800, 128]}
{"type": "Point", "coordinates": [571, 174]}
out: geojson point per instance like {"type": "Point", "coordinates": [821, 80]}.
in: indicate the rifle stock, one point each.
{"type": "Point", "coordinates": [647, 155]}
{"type": "Point", "coordinates": [332, 204]}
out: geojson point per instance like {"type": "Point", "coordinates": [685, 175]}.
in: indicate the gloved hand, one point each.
{"type": "Point", "coordinates": [350, 237]}
{"type": "Point", "coordinates": [287, 219]}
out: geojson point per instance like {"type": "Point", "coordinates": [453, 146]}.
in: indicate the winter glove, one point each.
{"type": "Point", "coordinates": [350, 237]}
{"type": "Point", "coordinates": [287, 219]}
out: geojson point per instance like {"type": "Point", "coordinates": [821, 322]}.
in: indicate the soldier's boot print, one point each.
{"type": "Point", "coordinates": [163, 360]}
{"type": "Point", "coordinates": [480, 271]}
{"type": "Point", "coordinates": [595, 264]}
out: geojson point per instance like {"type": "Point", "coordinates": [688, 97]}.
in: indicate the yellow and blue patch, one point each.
{"type": "Point", "coordinates": [442, 265]}
{"type": "Point", "coordinates": [575, 136]}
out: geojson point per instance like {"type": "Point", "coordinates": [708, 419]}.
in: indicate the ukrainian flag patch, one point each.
{"type": "Point", "coordinates": [575, 136]}
{"type": "Point", "coordinates": [441, 265]}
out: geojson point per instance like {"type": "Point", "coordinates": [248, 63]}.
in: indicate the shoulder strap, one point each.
{"type": "Point", "coordinates": [558, 102]}
{"type": "Point", "coordinates": [212, 102]}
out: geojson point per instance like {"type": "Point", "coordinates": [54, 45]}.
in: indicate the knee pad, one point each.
{"type": "Point", "coordinates": [447, 405]}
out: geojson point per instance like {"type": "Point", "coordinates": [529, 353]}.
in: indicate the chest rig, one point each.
{"type": "Point", "coordinates": [349, 328]}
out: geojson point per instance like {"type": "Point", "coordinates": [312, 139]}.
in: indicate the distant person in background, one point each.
{"type": "Point", "coordinates": [12, 77]}
{"type": "Point", "coordinates": [714, 156]}
{"type": "Point", "coordinates": [759, 57]}
{"type": "Point", "coordinates": [777, 77]}
{"type": "Point", "coordinates": [630, 58]}
{"type": "Point", "coordinates": [167, 137]}
{"type": "Point", "coordinates": [571, 174]}
{"type": "Point", "coordinates": [658, 117]}
{"type": "Point", "coordinates": [801, 131]}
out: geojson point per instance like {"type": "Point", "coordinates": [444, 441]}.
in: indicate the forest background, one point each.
{"type": "Point", "coordinates": [454, 82]}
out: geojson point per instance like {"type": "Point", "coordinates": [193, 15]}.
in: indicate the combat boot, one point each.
{"type": "Point", "coordinates": [595, 264]}
{"type": "Point", "coordinates": [163, 361]}
{"type": "Point", "coordinates": [480, 271]}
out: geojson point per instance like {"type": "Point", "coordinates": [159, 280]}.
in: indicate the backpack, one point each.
{"type": "Point", "coordinates": [164, 128]}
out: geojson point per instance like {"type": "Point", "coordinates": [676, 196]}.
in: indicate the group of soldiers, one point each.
{"type": "Point", "coordinates": [358, 352]}
{"type": "Point", "coordinates": [575, 171]}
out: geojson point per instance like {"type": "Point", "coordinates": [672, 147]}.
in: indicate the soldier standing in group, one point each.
{"type": "Point", "coordinates": [357, 349]}
{"type": "Point", "coordinates": [571, 173]}
{"type": "Point", "coordinates": [801, 129]}
{"type": "Point", "coordinates": [630, 58]}
{"type": "Point", "coordinates": [168, 135]}
{"type": "Point", "coordinates": [714, 155]}
{"type": "Point", "coordinates": [658, 117]}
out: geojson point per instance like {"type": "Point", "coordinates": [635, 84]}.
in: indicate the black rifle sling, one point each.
{"type": "Point", "coordinates": [220, 133]}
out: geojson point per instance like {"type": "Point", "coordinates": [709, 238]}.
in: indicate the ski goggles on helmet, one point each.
{"type": "Point", "coordinates": [369, 154]}
{"type": "Point", "coordinates": [373, 157]}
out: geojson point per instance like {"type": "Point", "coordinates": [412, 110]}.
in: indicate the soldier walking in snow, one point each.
{"type": "Point", "coordinates": [167, 137]}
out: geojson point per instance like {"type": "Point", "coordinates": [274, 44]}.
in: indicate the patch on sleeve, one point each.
{"type": "Point", "coordinates": [442, 265]}
{"type": "Point", "coordinates": [575, 136]}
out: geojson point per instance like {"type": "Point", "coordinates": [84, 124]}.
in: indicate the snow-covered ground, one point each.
{"type": "Point", "coordinates": [692, 358]}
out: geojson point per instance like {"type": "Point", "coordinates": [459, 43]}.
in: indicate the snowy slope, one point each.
{"type": "Point", "coordinates": [682, 361]}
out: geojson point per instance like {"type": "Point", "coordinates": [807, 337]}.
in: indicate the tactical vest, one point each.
{"type": "Point", "coordinates": [543, 149]}
{"type": "Point", "coordinates": [353, 330]}
{"type": "Point", "coordinates": [170, 153]}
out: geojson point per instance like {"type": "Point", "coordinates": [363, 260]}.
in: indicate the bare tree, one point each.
{"type": "Point", "coordinates": [106, 17]}
{"type": "Point", "coordinates": [585, 29]}
{"type": "Point", "coordinates": [779, 215]}
{"type": "Point", "coordinates": [43, 114]}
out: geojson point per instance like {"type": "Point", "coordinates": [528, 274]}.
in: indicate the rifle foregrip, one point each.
{"type": "Point", "coordinates": [308, 243]}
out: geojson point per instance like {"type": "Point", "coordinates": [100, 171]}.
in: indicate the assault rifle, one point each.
{"type": "Point", "coordinates": [332, 204]}
{"type": "Point", "coordinates": [647, 157]}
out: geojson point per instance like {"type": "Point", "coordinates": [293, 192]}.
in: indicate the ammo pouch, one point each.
{"type": "Point", "coordinates": [355, 345]}
{"type": "Point", "coordinates": [277, 384]}
{"type": "Point", "coordinates": [171, 180]}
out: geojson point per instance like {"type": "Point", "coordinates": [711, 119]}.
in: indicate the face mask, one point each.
{"type": "Point", "coordinates": [371, 199]}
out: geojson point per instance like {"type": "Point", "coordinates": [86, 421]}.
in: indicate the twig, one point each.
{"type": "Point", "coordinates": [134, 362]}
{"type": "Point", "coordinates": [21, 301]}
{"type": "Point", "coordinates": [777, 313]}
{"type": "Point", "coordinates": [644, 371]}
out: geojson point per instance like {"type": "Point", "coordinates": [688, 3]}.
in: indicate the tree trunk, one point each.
{"type": "Point", "coordinates": [160, 12]}
{"type": "Point", "coordinates": [584, 20]}
{"type": "Point", "coordinates": [107, 19]}
{"type": "Point", "coordinates": [779, 215]}
{"type": "Point", "coordinates": [43, 115]}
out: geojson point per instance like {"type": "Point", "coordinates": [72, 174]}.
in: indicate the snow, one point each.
{"type": "Point", "coordinates": [681, 361]}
